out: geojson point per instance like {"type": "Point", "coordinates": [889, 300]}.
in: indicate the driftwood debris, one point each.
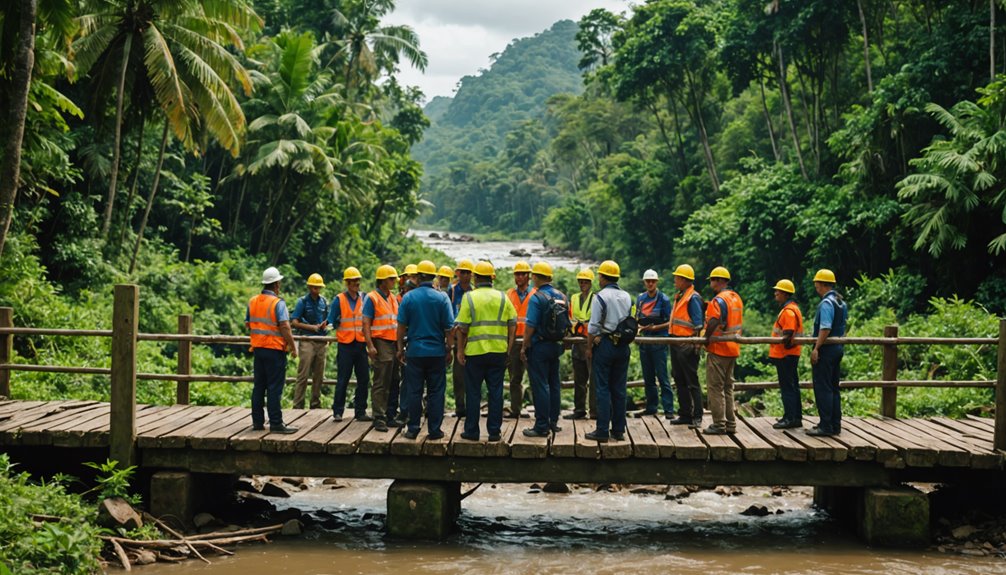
{"type": "Point", "coordinates": [183, 547]}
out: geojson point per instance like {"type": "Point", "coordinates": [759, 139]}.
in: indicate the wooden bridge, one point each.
{"type": "Point", "coordinates": [870, 452]}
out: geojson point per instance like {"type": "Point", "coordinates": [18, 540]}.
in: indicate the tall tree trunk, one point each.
{"type": "Point", "coordinates": [10, 165]}
{"type": "Point", "coordinates": [866, 46]}
{"type": "Point", "coordinates": [666, 139]}
{"type": "Point", "coordinates": [707, 150]}
{"type": "Point", "coordinates": [116, 152]}
{"type": "Point", "coordinates": [992, 40]}
{"type": "Point", "coordinates": [132, 188]}
{"type": "Point", "coordinates": [768, 118]}
{"type": "Point", "coordinates": [237, 210]}
{"type": "Point", "coordinates": [789, 112]}
{"type": "Point", "coordinates": [150, 198]}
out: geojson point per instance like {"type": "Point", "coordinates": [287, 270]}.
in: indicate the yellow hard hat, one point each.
{"type": "Point", "coordinates": [351, 273]}
{"type": "Point", "coordinates": [785, 285]}
{"type": "Point", "coordinates": [465, 265]}
{"type": "Point", "coordinates": [610, 269]}
{"type": "Point", "coordinates": [521, 266]}
{"type": "Point", "coordinates": [719, 272]}
{"type": "Point", "coordinates": [585, 274]}
{"type": "Point", "coordinates": [427, 267]}
{"type": "Point", "coordinates": [384, 272]}
{"type": "Point", "coordinates": [484, 268]}
{"type": "Point", "coordinates": [826, 276]}
{"type": "Point", "coordinates": [315, 280]}
{"type": "Point", "coordinates": [446, 271]}
{"type": "Point", "coordinates": [542, 269]}
{"type": "Point", "coordinates": [410, 269]}
{"type": "Point", "coordinates": [686, 271]}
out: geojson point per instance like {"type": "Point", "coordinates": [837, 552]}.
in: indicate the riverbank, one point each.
{"type": "Point", "coordinates": [501, 252]}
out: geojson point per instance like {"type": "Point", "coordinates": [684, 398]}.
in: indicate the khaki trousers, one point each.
{"type": "Point", "coordinates": [584, 394]}
{"type": "Point", "coordinates": [720, 388]}
{"type": "Point", "coordinates": [516, 369]}
{"type": "Point", "coordinates": [312, 364]}
{"type": "Point", "coordinates": [384, 370]}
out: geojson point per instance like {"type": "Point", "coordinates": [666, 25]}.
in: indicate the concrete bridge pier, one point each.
{"type": "Point", "coordinates": [423, 509]}
{"type": "Point", "coordinates": [177, 495]}
{"type": "Point", "coordinates": [883, 516]}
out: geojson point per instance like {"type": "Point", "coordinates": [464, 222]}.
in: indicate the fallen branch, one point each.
{"type": "Point", "coordinates": [219, 534]}
{"type": "Point", "coordinates": [122, 555]}
{"type": "Point", "coordinates": [181, 537]}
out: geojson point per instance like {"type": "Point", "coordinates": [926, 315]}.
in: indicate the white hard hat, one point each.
{"type": "Point", "coordinates": [650, 275]}
{"type": "Point", "coordinates": [271, 275]}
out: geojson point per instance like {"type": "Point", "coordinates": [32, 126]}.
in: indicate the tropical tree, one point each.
{"type": "Point", "coordinates": [171, 55]}
{"type": "Point", "coordinates": [593, 38]}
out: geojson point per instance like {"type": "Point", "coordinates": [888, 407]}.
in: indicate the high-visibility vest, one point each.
{"type": "Point", "coordinates": [385, 322]}
{"type": "Point", "coordinates": [789, 317]}
{"type": "Point", "coordinates": [681, 320]}
{"type": "Point", "coordinates": [581, 312]}
{"type": "Point", "coordinates": [520, 307]}
{"type": "Point", "coordinates": [732, 325]}
{"type": "Point", "coordinates": [350, 321]}
{"type": "Point", "coordinates": [262, 322]}
{"type": "Point", "coordinates": [487, 332]}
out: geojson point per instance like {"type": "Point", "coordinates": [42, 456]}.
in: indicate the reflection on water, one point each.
{"type": "Point", "coordinates": [507, 530]}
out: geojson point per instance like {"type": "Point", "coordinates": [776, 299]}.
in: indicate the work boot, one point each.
{"type": "Point", "coordinates": [594, 436]}
{"type": "Point", "coordinates": [364, 417]}
{"type": "Point", "coordinates": [283, 429]}
{"type": "Point", "coordinates": [380, 425]}
{"type": "Point", "coordinates": [576, 415]}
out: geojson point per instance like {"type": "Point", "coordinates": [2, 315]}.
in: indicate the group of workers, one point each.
{"type": "Point", "coordinates": [439, 316]}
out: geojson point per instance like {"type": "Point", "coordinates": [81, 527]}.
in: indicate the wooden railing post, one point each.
{"type": "Point", "coordinates": [6, 349]}
{"type": "Point", "coordinates": [125, 324]}
{"type": "Point", "coordinates": [184, 359]}
{"type": "Point", "coordinates": [999, 439]}
{"type": "Point", "coordinates": [889, 395]}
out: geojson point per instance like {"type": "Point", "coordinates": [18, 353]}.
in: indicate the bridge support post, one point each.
{"type": "Point", "coordinates": [423, 510]}
{"type": "Point", "coordinates": [882, 516]}
{"type": "Point", "coordinates": [6, 349]}
{"type": "Point", "coordinates": [184, 359]}
{"type": "Point", "coordinates": [125, 325]}
{"type": "Point", "coordinates": [999, 439]}
{"type": "Point", "coordinates": [172, 494]}
{"type": "Point", "coordinates": [889, 395]}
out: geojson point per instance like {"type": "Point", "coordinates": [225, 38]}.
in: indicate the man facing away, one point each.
{"type": "Point", "coordinates": [346, 316]}
{"type": "Point", "coordinates": [487, 326]}
{"type": "Point", "coordinates": [310, 318]}
{"type": "Point", "coordinates": [520, 297]}
{"type": "Point", "coordinates": [610, 359]}
{"type": "Point", "coordinates": [268, 320]}
{"type": "Point", "coordinates": [541, 354]}
{"type": "Point", "coordinates": [425, 317]}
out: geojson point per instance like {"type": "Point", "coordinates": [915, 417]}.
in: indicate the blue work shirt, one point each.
{"type": "Point", "coordinates": [335, 311]}
{"type": "Point", "coordinates": [427, 313]}
{"type": "Point", "coordinates": [537, 306]}
{"type": "Point", "coordinates": [282, 313]}
{"type": "Point", "coordinates": [457, 294]}
{"type": "Point", "coordinates": [310, 311]}
{"type": "Point", "coordinates": [696, 313]}
{"type": "Point", "coordinates": [832, 313]}
{"type": "Point", "coordinates": [656, 308]}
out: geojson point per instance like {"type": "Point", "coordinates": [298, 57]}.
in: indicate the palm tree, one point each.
{"type": "Point", "coordinates": [172, 54]}
{"type": "Point", "coordinates": [366, 48]}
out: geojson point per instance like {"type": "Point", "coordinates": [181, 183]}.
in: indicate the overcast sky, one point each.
{"type": "Point", "coordinates": [459, 35]}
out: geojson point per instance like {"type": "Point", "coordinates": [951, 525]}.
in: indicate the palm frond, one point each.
{"type": "Point", "coordinates": [163, 76]}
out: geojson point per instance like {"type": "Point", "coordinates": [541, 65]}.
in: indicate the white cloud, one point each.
{"type": "Point", "coordinates": [459, 35]}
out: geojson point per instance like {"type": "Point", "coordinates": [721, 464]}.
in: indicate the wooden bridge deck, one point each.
{"type": "Point", "coordinates": [220, 440]}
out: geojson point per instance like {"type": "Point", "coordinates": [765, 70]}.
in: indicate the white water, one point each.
{"type": "Point", "coordinates": [497, 252]}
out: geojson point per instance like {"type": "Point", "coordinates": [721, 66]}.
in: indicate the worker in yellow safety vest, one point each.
{"type": "Point", "coordinates": [487, 325]}
{"type": "Point", "coordinates": [584, 395]}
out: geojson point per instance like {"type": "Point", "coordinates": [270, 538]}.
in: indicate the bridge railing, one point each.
{"type": "Point", "coordinates": [125, 335]}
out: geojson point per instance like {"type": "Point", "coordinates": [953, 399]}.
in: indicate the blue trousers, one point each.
{"type": "Point", "coordinates": [610, 371]}
{"type": "Point", "coordinates": [267, 391]}
{"type": "Point", "coordinates": [826, 392]}
{"type": "Point", "coordinates": [654, 362]}
{"type": "Point", "coordinates": [543, 371]}
{"type": "Point", "coordinates": [789, 387]}
{"type": "Point", "coordinates": [489, 368]}
{"type": "Point", "coordinates": [352, 357]}
{"type": "Point", "coordinates": [429, 373]}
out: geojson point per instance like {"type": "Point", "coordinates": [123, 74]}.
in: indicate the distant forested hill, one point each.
{"type": "Point", "coordinates": [473, 126]}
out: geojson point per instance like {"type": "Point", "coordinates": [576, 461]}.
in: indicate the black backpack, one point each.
{"type": "Point", "coordinates": [625, 330]}
{"type": "Point", "coordinates": [554, 324]}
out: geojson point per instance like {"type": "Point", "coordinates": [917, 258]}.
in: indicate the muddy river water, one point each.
{"type": "Point", "coordinates": [514, 529]}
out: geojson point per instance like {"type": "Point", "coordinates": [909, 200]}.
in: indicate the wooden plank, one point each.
{"type": "Point", "coordinates": [922, 451]}
{"type": "Point", "coordinates": [615, 449]}
{"type": "Point", "coordinates": [983, 421]}
{"type": "Point", "coordinates": [818, 448]}
{"type": "Point", "coordinates": [188, 416]}
{"type": "Point", "coordinates": [317, 440]}
{"type": "Point", "coordinates": [40, 431]}
{"type": "Point", "coordinates": [982, 454]}
{"type": "Point", "coordinates": [858, 448]}
{"type": "Point", "coordinates": [583, 447]}
{"type": "Point", "coordinates": [643, 444]}
{"type": "Point", "coordinates": [977, 430]}
{"type": "Point", "coordinates": [9, 426]}
{"type": "Point", "coordinates": [887, 453]}
{"type": "Point", "coordinates": [216, 418]}
{"type": "Point", "coordinates": [524, 447]}
{"type": "Point", "coordinates": [722, 447]}
{"type": "Point", "coordinates": [787, 449]}
{"type": "Point", "coordinates": [564, 442]}
{"type": "Point", "coordinates": [279, 443]}
{"type": "Point", "coordinates": [402, 445]}
{"type": "Point", "coordinates": [438, 447]}
{"type": "Point", "coordinates": [11, 408]}
{"type": "Point", "coordinates": [466, 447]}
{"type": "Point", "coordinates": [60, 417]}
{"type": "Point", "coordinates": [687, 444]}
{"type": "Point", "coordinates": [155, 419]}
{"type": "Point", "coordinates": [93, 433]}
{"type": "Point", "coordinates": [501, 448]}
{"type": "Point", "coordinates": [349, 440]}
{"type": "Point", "coordinates": [910, 452]}
{"type": "Point", "coordinates": [251, 440]}
{"type": "Point", "coordinates": [219, 438]}
{"type": "Point", "coordinates": [951, 454]}
{"type": "Point", "coordinates": [665, 446]}
{"type": "Point", "coordinates": [752, 445]}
